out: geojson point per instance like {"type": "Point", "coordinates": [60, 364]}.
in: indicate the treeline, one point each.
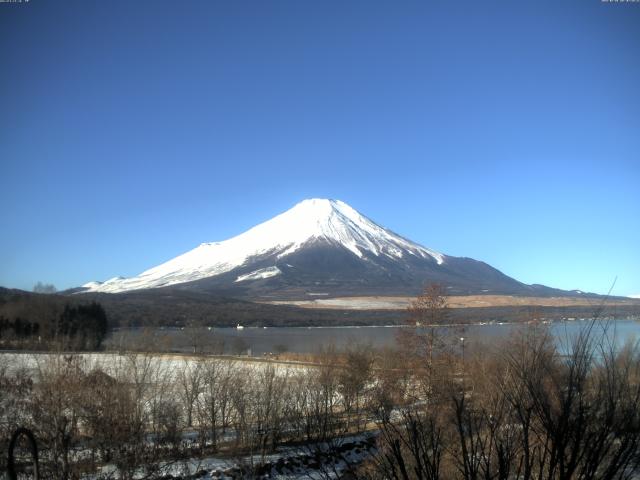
{"type": "Point", "coordinates": [51, 322]}
{"type": "Point", "coordinates": [443, 408]}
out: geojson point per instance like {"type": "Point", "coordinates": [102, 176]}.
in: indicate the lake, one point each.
{"type": "Point", "coordinates": [260, 341]}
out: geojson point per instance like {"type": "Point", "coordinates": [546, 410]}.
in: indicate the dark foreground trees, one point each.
{"type": "Point", "coordinates": [525, 410]}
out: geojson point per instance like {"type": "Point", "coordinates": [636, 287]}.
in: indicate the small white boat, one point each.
{"type": "Point", "coordinates": [239, 327]}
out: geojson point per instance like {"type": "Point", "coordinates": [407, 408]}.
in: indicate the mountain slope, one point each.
{"type": "Point", "coordinates": [319, 247]}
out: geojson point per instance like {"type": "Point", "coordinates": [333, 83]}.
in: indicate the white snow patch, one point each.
{"type": "Point", "coordinates": [259, 274]}
{"type": "Point", "coordinates": [637, 295]}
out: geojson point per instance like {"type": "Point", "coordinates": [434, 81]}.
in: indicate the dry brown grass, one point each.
{"type": "Point", "coordinates": [467, 301]}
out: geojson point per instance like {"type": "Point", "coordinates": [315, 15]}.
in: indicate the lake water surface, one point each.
{"type": "Point", "coordinates": [260, 341]}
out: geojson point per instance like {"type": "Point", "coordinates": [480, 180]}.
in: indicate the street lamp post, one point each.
{"type": "Point", "coordinates": [463, 365]}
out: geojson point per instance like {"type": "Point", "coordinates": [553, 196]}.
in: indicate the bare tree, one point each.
{"type": "Point", "coordinates": [55, 410]}
{"type": "Point", "coordinates": [189, 378]}
{"type": "Point", "coordinates": [425, 341]}
{"type": "Point", "coordinates": [353, 380]}
{"type": "Point", "coordinates": [411, 444]}
{"type": "Point", "coordinates": [215, 402]}
{"type": "Point", "coordinates": [430, 308]}
{"type": "Point", "coordinates": [107, 414]}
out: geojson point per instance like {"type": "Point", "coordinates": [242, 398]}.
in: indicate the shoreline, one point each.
{"type": "Point", "coordinates": [543, 321]}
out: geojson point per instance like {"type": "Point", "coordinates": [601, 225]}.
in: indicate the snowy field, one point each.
{"type": "Point", "coordinates": [112, 363]}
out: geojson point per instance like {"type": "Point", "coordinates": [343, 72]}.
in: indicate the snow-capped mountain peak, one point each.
{"type": "Point", "coordinates": [310, 221]}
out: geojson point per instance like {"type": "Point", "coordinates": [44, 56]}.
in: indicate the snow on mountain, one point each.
{"type": "Point", "coordinates": [311, 220]}
{"type": "Point", "coordinates": [260, 273]}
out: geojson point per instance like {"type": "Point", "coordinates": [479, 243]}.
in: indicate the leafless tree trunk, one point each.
{"type": "Point", "coordinates": [189, 379]}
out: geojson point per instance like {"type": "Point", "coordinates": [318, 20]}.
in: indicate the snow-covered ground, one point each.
{"type": "Point", "coordinates": [111, 363]}
{"type": "Point", "coordinates": [313, 461]}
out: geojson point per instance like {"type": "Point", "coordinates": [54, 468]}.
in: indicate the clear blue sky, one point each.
{"type": "Point", "coordinates": [132, 131]}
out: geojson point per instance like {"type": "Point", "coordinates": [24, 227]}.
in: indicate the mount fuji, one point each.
{"type": "Point", "coordinates": [319, 247]}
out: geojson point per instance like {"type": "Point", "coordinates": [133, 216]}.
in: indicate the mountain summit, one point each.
{"type": "Point", "coordinates": [318, 247]}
